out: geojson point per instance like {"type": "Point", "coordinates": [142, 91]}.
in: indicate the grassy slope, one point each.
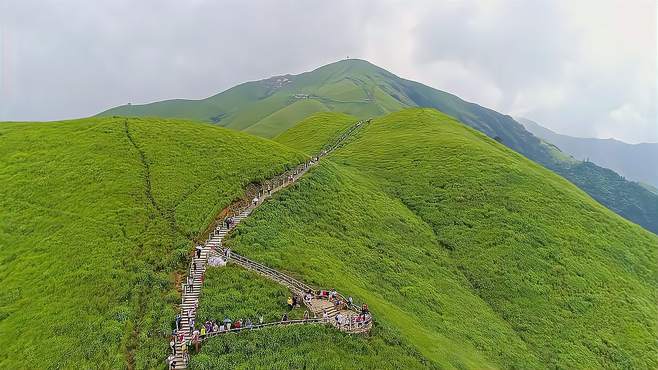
{"type": "Point", "coordinates": [311, 134]}
{"type": "Point", "coordinates": [88, 251]}
{"type": "Point", "coordinates": [285, 118]}
{"type": "Point", "coordinates": [234, 292]}
{"type": "Point", "coordinates": [364, 90]}
{"type": "Point", "coordinates": [454, 241]}
{"type": "Point", "coordinates": [304, 347]}
{"type": "Point", "coordinates": [237, 293]}
{"type": "Point", "coordinates": [267, 109]}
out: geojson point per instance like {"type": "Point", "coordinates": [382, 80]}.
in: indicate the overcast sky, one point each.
{"type": "Point", "coordinates": [583, 68]}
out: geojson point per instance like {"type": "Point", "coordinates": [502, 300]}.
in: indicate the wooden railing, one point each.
{"type": "Point", "coordinates": [262, 326]}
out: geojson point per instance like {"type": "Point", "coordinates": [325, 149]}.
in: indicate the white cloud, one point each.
{"type": "Point", "coordinates": [566, 64]}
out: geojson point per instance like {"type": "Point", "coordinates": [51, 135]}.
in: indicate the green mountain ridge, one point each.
{"type": "Point", "coordinates": [358, 88]}
{"type": "Point", "coordinates": [478, 257]}
{"type": "Point", "coordinates": [469, 254]}
{"type": "Point", "coordinates": [629, 160]}
{"type": "Point", "coordinates": [96, 218]}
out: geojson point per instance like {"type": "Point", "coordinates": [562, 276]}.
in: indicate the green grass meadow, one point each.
{"type": "Point", "coordinates": [96, 217]}
{"type": "Point", "coordinates": [477, 256]}
{"type": "Point", "coordinates": [358, 88]}
{"type": "Point", "coordinates": [236, 293]}
{"type": "Point", "coordinates": [468, 254]}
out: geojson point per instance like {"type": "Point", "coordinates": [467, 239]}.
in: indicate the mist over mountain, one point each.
{"type": "Point", "coordinates": [636, 162]}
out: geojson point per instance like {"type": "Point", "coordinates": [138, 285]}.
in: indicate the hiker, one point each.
{"type": "Point", "coordinates": [306, 315]}
{"type": "Point", "coordinates": [190, 283]}
{"type": "Point", "coordinates": [260, 320]}
{"type": "Point", "coordinates": [195, 340]}
{"type": "Point", "coordinates": [359, 321]}
{"type": "Point", "coordinates": [249, 324]}
{"type": "Point", "coordinates": [198, 251]}
{"type": "Point", "coordinates": [226, 222]}
{"type": "Point", "coordinates": [194, 266]}
{"type": "Point", "coordinates": [333, 294]}
{"type": "Point", "coordinates": [221, 328]}
{"type": "Point", "coordinates": [183, 348]}
{"type": "Point", "coordinates": [178, 319]}
{"type": "Point", "coordinates": [255, 201]}
{"type": "Point", "coordinates": [172, 345]}
{"type": "Point", "coordinates": [294, 301]}
{"type": "Point", "coordinates": [215, 328]}
{"type": "Point", "coordinates": [325, 316]}
{"type": "Point", "coordinates": [339, 319]}
{"type": "Point", "coordinates": [307, 298]}
{"type": "Point", "coordinates": [269, 190]}
{"type": "Point", "coordinates": [284, 318]}
{"type": "Point", "coordinates": [171, 361]}
{"type": "Point", "coordinates": [364, 311]}
{"type": "Point", "coordinates": [203, 331]}
{"type": "Point", "coordinates": [237, 324]}
{"type": "Point", "coordinates": [290, 303]}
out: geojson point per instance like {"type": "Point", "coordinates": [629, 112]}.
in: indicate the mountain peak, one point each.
{"type": "Point", "coordinates": [352, 67]}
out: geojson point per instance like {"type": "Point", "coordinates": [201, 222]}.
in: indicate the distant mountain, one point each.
{"type": "Point", "coordinates": [359, 88]}
{"type": "Point", "coordinates": [633, 161]}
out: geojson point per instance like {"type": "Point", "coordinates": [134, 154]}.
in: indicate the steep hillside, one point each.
{"type": "Point", "coordinates": [232, 292]}
{"type": "Point", "coordinates": [268, 107]}
{"type": "Point", "coordinates": [96, 217]}
{"type": "Point", "coordinates": [633, 161]}
{"type": "Point", "coordinates": [311, 134]}
{"type": "Point", "coordinates": [358, 88]}
{"type": "Point", "coordinates": [475, 255]}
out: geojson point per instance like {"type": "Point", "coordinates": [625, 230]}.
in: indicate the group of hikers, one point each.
{"type": "Point", "coordinates": [348, 321]}
{"type": "Point", "coordinates": [198, 333]}
{"type": "Point", "coordinates": [342, 320]}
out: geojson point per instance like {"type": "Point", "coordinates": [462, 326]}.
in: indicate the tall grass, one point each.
{"type": "Point", "coordinates": [475, 255]}
{"type": "Point", "coordinates": [96, 217]}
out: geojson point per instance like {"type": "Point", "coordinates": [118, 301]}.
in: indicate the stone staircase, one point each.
{"type": "Point", "coordinates": [213, 247]}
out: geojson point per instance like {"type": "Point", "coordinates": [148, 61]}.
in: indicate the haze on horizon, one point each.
{"type": "Point", "coordinates": [585, 68]}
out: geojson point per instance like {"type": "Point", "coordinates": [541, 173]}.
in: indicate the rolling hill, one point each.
{"type": "Point", "coordinates": [356, 87]}
{"type": "Point", "coordinates": [474, 255]}
{"type": "Point", "coordinates": [470, 255]}
{"type": "Point", "coordinates": [97, 218]}
{"type": "Point", "coordinates": [633, 161]}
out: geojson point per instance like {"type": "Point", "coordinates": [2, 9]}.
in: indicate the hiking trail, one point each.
{"type": "Point", "coordinates": [324, 311]}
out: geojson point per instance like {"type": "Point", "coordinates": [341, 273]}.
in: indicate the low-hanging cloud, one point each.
{"type": "Point", "coordinates": [584, 68]}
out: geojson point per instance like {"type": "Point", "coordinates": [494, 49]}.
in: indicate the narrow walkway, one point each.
{"type": "Point", "coordinates": [330, 307]}
{"type": "Point", "coordinates": [324, 311]}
